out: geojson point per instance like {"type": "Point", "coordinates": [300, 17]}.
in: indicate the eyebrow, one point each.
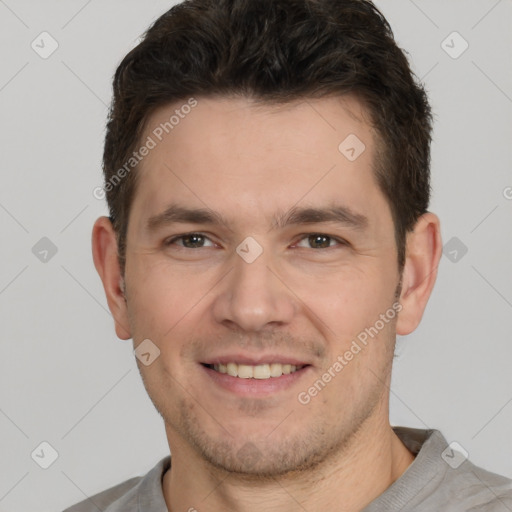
{"type": "Point", "coordinates": [310, 215]}
{"type": "Point", "coordinates": [339, 214]}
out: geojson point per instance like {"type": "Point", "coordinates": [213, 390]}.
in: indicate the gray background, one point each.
{"type": "Point", "coordinates": [64, 376]}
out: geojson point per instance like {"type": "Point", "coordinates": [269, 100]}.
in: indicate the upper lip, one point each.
{"type": "Point", "coordinates": [255, 360]}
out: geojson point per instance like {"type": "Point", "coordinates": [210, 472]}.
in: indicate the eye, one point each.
{"type": "Point", "coordinates": [199, 240]}
{"type": "Point", "coordinates": [320, 241]}
{"type": "Point", "coordinates": [190, 241]}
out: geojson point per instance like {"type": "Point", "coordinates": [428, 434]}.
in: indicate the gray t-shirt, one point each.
{"type": "Point", "coordinates": [439, 479]}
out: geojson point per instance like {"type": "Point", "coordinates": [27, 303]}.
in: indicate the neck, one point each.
{"type": "Point", "coordinates": [349, 481]}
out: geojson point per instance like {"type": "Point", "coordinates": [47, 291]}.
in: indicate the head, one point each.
{"type": "Point", "coordinates": [298, 124]}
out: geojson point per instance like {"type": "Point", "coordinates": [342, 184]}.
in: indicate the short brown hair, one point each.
{"type": "Point", "coordinates": [276, 51]}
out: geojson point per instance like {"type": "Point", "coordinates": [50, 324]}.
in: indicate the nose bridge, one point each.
{"type": "Point", "coordinates": [252, 296]}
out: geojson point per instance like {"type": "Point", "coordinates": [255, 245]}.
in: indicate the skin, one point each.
{"type": "Point", "coordinates": [196, 302]}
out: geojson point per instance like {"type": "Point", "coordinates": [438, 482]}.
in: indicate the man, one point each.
{"type": "Point", "coordinates": [267, 173]}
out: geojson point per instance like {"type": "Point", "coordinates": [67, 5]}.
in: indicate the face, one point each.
{"type": "Point", "coordinates": [259, 254]}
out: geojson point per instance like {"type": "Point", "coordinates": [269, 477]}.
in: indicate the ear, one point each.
{"type": "Point", "coordinates": [105, 256]}
{"type": "Point", "coordinates": [423, 252]}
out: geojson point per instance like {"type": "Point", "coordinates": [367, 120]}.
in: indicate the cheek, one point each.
{"type": "Point", "coordinates": [159, 297]}
{"type": "Point", "coordinates": [356, 290]}
{"type": "Point", "coordinates": [350, 303]}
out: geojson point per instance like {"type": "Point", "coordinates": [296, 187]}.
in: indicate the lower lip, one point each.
{"type": "Point", "coordinates": [255, 387]}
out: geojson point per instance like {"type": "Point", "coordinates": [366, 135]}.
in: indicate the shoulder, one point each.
{"type": "Point", "coordinates": [120, 495]}
{"type": "Point", "coordinates": [480, 490]}
{"type": "Point", "coordinates": [443, 478]}
{"type": "Point", "coordinates": [130, 495]}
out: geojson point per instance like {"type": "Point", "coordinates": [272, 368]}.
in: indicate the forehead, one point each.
{"type": "Point", "coordinates": [317, 123]}
{"type": "Point", "coordinates": [258, 157]}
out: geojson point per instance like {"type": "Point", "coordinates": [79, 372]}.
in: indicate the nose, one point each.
{"type": "Point", "coordinates": [253, 296]}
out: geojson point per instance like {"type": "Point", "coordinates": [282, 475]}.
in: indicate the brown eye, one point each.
{"type": "Point", "coordinates": [319, 241]}
{"type": "Point", "coordinates": [189, 241]}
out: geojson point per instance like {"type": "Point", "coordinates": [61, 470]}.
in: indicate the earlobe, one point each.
{"type": "Point", "coordinates": [105, 256]}
{"type": "Point", "coordinates": [423, 253]}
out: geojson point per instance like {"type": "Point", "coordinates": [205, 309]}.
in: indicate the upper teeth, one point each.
{"type": "Point", "coordinates": [260, 371]}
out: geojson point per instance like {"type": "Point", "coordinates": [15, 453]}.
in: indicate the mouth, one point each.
{"type": "Point", "coordinates": [255, 376]}
{"type": "Point", "coordinates": [258, 371]}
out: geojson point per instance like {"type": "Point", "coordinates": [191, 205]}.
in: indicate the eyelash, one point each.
{"type": "Point", "coordinates": [340, 241]}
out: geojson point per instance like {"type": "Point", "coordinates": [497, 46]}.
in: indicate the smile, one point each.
{"type": "Point", "coordinates": [260, 371]}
